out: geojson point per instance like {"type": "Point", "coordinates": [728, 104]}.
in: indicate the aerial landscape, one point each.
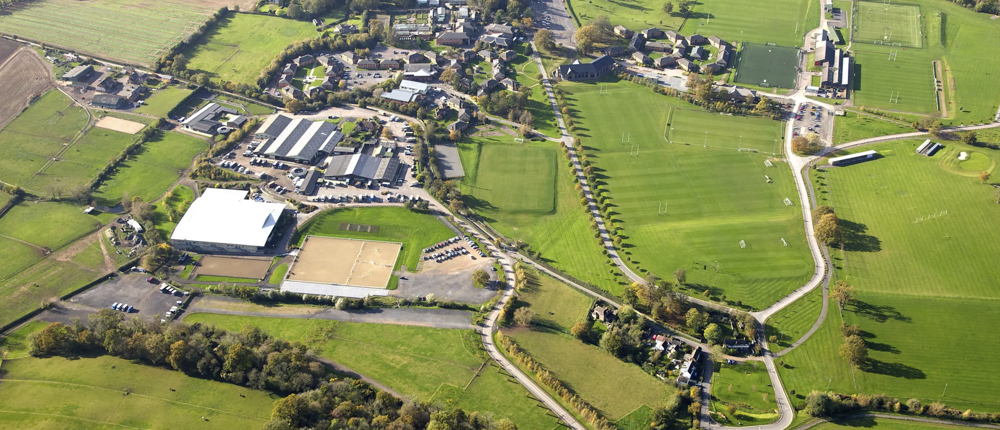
{"type": "Point", "coordinates": [499, 215]}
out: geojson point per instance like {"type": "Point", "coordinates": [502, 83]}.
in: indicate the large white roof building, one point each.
{"type": "Point", "coordinates": [225, 221]}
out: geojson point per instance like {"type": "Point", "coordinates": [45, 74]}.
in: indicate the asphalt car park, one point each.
{"type": "Point", "coordinates": [132, 289]}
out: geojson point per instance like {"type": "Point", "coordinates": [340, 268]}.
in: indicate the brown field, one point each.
{"type": "Point", "coordinates": [118, 124]}
{"type": "Point", "coordinates": [358, 263]}
{"type": "Point", "coordinates": [233, 267]}
{"type": "Point", "coordinates": [23, 76]}
{"type": "Point", "coordinates": [7, 48]}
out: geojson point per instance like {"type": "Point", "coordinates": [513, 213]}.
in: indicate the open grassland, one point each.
{"type": "Point", "coordinates": [559, 306]}
{"type": "Point", "coordinates": [950, 33]}
{"type": "Point", "coordinates": [427, 363]}
{"type": "Point", "coordinates": [921, 280]}
{"type": "Point", "coordinates": [177, 200]}
{"type": "Point", "coordinates": [747, 386]}
{"type": "Point", "coordinates": [47, 279]}
{"type": "Point", "coordinates": [561, 234]}
{"type": "Point", "coordinates": [715, 197]}
{"type": "Point", "coordinates": [792, 322]}
{"type": "Point", "coordinates": [80, 163]}
{"type": "Point", "coordinates": [88, 394]}
{"type": "Point", "coordinates": [882, 424]}
{"type": "Point", "coordinates": [37, 134]}
{"type": "Point", "coordinates": [637, 15]}
{"type": "Point", "coordinates": [15, 343]}
{"type": "Point", "coordinates": [852, 126]}
{"type": "Point", "coordinates": [747, 20]}
{"type": "Point", "coordinates": [163, 101]}
{"type": "Point", "coordinates": [51, 225]}
{"type": "Point", "coordinates": [240, 46]}
{"type": "Point", "coordinates": [152, 169]}
{"type": "Point", "coordinates": [22, 76]}
{"type": "Point", "coordinates": [134, 31]}
{"type": "Point", "coordinates": [415, 230]}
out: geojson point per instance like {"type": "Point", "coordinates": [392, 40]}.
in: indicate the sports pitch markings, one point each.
{"type": "Point", "coordinates": [887, 24]}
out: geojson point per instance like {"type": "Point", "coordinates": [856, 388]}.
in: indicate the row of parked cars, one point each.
{"type": "Point", "coordinates": [446, 255]}
{"type": "Point", "coordinates": [468, 240]}
{"type": "Point", "coordinates": [124, 307]}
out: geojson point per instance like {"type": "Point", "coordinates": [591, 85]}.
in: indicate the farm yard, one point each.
{"type": "Point", "coordinates": [715, 198]}
{"type": "Point", "coordinates": [918, 248]}
{"type": "Point", "coordinates": [427, 363]}
{"type": "Point", "coordinates": [22, 75]}
{"type": "Point", "coordinates": [133, 31]}
{"type": "Point", "coordinates": [240, 46]}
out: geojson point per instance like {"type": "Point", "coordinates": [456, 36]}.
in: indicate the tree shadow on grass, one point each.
{"type": "Point", "coordinates": [879, 313]}
{"type": "Point", "coordinates": [856, 239]}
{"type": "Point", "coordinates": [883, 347]}
{"type": "Point", "coordinates": [897, 370]}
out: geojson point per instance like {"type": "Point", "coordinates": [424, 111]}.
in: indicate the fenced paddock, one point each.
{"type": "Point", "coordinates": [887, 23]}
{"type": "Point", "coordinates": [351, 262]}
{"type": "Point", "coordinates": [767, 65]}
{"type": "Point", "coordinates": [249, 268]}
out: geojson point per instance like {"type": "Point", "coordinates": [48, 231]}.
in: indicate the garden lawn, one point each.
{"type": "Point", "coordinates": [37, 134]}
{"type": "Point", "coordinates": [415, 361]}
{"type": "Point", "coordinates": [152, 169]}
{"type": "Point", "coordinates": [715, 197]}
{"type": "Point", "coordinates": [852, 126]}
{"type": "Point", "coordinates": [178, 200]}
{"type": "Point", "coordinates": [415, 230]}
{"type": "Point", "coordinates": [920, 280]}
{"type": "Point", "coordinates": [558, 305]}
{"type": "Point", "coordinates": [495, 185]}
{"type": "Point", "coordinates": [747, 386]}
{"type": "Point", "coordinates": [596, 376]}
{"type": "Point", "coordinates": [242, 45]}
{"type": "Point", "coordinates": [792, 322]}
{"type": "Point", "coordinates": [86, 393]}
{"type": "Point", "coordinates": [750, 21]}
{"type": "Point", "coordinates": [162, 102]}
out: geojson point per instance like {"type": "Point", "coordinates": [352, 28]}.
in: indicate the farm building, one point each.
{"type": "Point", "coordinates": [299, 140]}
{"type": "Point", "coordinates": [107, 101]}
{"type": "Point", "coordinates": [847, 160]}
{"type": "Point", "coordinates": [78, 73]}
{"type": "Point", "coordinates": [224, 221]}
{"type": "Point", "coordinates": [362, 167]}
{"type": "Point", "coordinates": [580, 71]}
{"type": "Point", "coordinates": [209, 119]}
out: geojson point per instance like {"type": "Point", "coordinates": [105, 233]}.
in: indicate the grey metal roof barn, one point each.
{"type": "Point", "coordinates": [362, 166]}
{"type": "Point", "coordinates": [300, 140]}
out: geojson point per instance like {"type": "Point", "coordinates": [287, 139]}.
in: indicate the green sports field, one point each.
{"type": "Point", "coordinates": [559, 229]}
{"type": "Point", "coordinates": [426, 363]}
{"type": "Point", "coordinates": [163, 101]}
{"type": "Point", "coordinates": [908, 80]}
{"type": "Point", "coordinates": [242, 45]}
{"type": "Point", "coordinates": [919, 251]}
{"type": "Point", "coordinates": [715, 198]}
{"type": "Point", "coordinates": [415, 230]}
{"type": "Point", "coordinates": [87, 393]}
{"type": "Point", "coordinates": [747, 20]}
{"type": "Point", "coordinates": [152, 169]}
{"type": "Point", "coordinates": [889, 24]}
{"type": "Point", "coordinates": [636, 15]}
{"type": "Point", "coordinates": [700, 128]}
{"type": "Point", "coordinates": [767, 66]}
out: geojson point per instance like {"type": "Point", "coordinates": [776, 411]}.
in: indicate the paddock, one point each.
{"type": "Point", "coordinates": [348, 262]}
{"type": "Point", "coordinates": [250, 268]}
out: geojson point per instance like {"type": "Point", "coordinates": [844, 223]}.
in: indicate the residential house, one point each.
{"type": "Point", "coordinates": [508, 55]}
{"type": "Point", "coordinates": [455, 103]}
{"type": "Point", "coordinates": [698, 53]}
{"type": "Point", "coordinates": [285, 80]}
{"type": "Point", "coordinates": [622, 31]}
{"type": "Point", "coordinates": [681, 44]}
{"type": "Point", "coordinates": [722, 58]}
{"type": "Point", "coordinates": [498, 73]}
{"type": "Point", "coordinates": [739, 345]}
{"type": "Point", "coordinates": [659, 46]}
{"type": "Point", "coordinates": [488, 86]}
{"type": "Point", "coordinates": [488, 55]}
{"type": "Point", "coordinates": [465, 27]}
{"type": "Point", "coordinates": [585, 71]}
{"type": "Point", "coordinates": [659, 342]}
{"type": "Point", "coordinates": [305, 60]}
{"type": "Point", "coordinates": [105, 84]}
{"type": "Point", "coordinates": [638, 43]}
{"type": "Point", "coordinates": [312, 92]}
{"type": "Point", "coordinates": [452, 38]}
{"type": "Point", "coordinates": [652, 33]}
{"type": "Point", "coordinates": [687, 65]}
{"type": "Point", "coordinates": [292, 92]}
{"type": "Point", "coordinates": [672, 36]}
{"type": "Point", "coordinates": [716, 42]}
{"type": "Point", "coordinates": [431, 56]}
{"type": "Point", "coordinates": [615, 51]}
{"type": "Point", "coordinates": [665, 62]}
{"type": "Point", "coordinates": [510, 84]}
{"type": "Point", "coordinates": [345, 29]}
{"type": "Point", "coordinates": [330, 83]}
{"type": "Point", "coordinates": [458, 126]}
{"type": "Point", "coordinates": [498, 42]}
{"type": "Point", "coordinates": [135, 77]}
{"type": "Point", "coordinates": [290, 69]}
{"type": "Point", "coordinates": [603, 314]}
{"type": "Point", "coordinates": [688, 371]}
{"type": "Point", "coordinates": [367, 64]}
{"type": "Point", "coordinates": [468, 56]}
{"type": "Point", "coordinates": [390, 64]}
{"type": "Point", "coordinates": [711, 68]}
{"type": "Point", "coordinates": [696, 39]}
{"type": "Point", "coordinates": [641, 59]}
{"type": "Point", "coordinates": [464, 115]}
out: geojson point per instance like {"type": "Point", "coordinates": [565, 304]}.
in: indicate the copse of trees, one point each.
{"type": "Point", "coordinates": [826, 225]}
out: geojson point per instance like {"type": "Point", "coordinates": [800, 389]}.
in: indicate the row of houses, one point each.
{"type": "Point", "coordinates": [684, 51]}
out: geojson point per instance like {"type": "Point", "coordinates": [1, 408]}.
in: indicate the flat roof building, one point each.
{"type": "Point", "coordinates": [853, 158]}
{"type": "Point", "coordinates": [224, 221]}
{"type": "Point", "coordinates": [208, 119]}
{"type": "Point", "coordinates": [300, 140]}
{"type": "Point", "coordinates": [362, 166]}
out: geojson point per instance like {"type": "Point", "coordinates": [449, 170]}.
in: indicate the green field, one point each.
{"type": "Point", "coordinates": [163, 101]}
{"type": "Point", "coordinates": [429, 364]}
{"type": "Point", "coordinates": [560, 233]}
{"type": "Point", "coordinates": [179, 199]}
{"type": "Point", "coordinates": [250, 108]}
{"type": "Point", "coordinates": [747, 386]}
{"type": "Point", "coordinates": [317, 72]}
{"type": "Point", "coordinates": [878, 78]}
{"type": "Point", "coordinates": [35, 223]}
{"type": "Point", "coordinates": [888, 24]}
{"type": "Point", "coordinates": [15, 343]}
{"type": "Point", "coordinates": [852, 126]}
{"type": "Point", "coordinates": [37, 134]}
{"type": "Point", "coordinates": [559, 306]}
{"type": "Point", "coordinates": [135, 31]}
{"type": "Point", "coordinates": [87, 393]}
{"type": "Point", "coordinates": [152, 169]}
{"type": "Point", "coordinates": [415, 230]}
{"type": "Point", "coordinates": [882, 424]}
{"type": "Point", "coordinates": [636, 15]}
{"type": "Point", "coordinates": [792, 322]}
{"type": "Point", "coordinates": [715, 197]}
{"type": "Point", "coordinates": [700, 128]}
{"type": "Point", "coordinates": [80, 163]}
{"type": "Point", "coordinates": [745, 20]}
{"type": "Point", "coordinates": [278, 274]}
{"type": "Point", "coordinates": [91, 257]}
{"type": "Point", "coordinates": [242, 45]}
{"type": "Point", "coordinates": [544, 118]}
{"type": "Point", "coordinates": [767, 66]}
{"type": "Point", "coordinates": [921, 280]}
{"type": "Point", "coordinates": [29, 287]}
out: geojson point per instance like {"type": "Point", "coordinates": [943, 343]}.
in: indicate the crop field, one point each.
{"type": "Point", "coordinates": [715, 198]}
{"type": "Point", "coordinates": [87, 394]}
{"type": "Point", "coordinates": [919, 249]}
{"type": "Point", "coordinates": [242, 45]}
{"type": "Point", "coordinates": [21, 76]}
{"type": "Point", "coordinates": [37, 134]}
{"type": "Point", "coordinates": [135, 31]}
{"type": "Point", "coordinates": [152, 169]}
{"type": "Point", "coordinates": [889, 24]}
{"type": "Point", "coordinates": [163, 101]}
{"type": "Point", "coordinates": [81, 161]}
{"type": "Point", "coordinates": [745, 20]}
{"type": "Point", "coordinates": [415, 230]}
{"type": "Point", "coordinates": [562, 234]}
{"type": "Point", "coordinates": [746, 386]}
{"type": "Point", "coordinates": [427, 363]}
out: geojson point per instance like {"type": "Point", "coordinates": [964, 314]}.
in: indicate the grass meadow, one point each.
{"type": "Point", "coordinates": [792, 322]}
{"type": "Point", "coordinates": [558, 229]}
{"type": "Point", "coordinates": [29, 287]}
{"type": "Point", "coordinates": [163, 101]}
{"type": "Point", "coordinates": [746, 20]}
{"type": "Point", "coordinates": [242, 45]}
{"type": "Point", "coordinates": [715, 197]}
{"type": "Point", "coordinates": [82, 161]}
{"type": "Point", "coordinates": [852, 126]}
{"type": "Point", "coordinates": [921, 280]}
{"type": "Point", "coordinates": [427, 363]}
{"type": "Point", "coordinates": [134, 31]}
{"type": "Point", "coordinates": [559, 306]}
{"type": "Point", "coordinates": [86, 393]}
{"type": "Point", "coordinates": [37, 134]}
{"type": "Point", "coordinates": [415, 230]}
{"type": "Point", "coordinates": [15, 343]}
{"type": "Point", "coordinates": [51, 225]}
{"type": "Point", "coordinates": [636, 15]}
{"type": "Point", "coordinates": [152, 169]}
{"type": "Point", "coordinates": [881, 424]}
{"type": "Point", "coordinates": [180, 198]}
{"type": "Point", "coordinates": [747, 386]}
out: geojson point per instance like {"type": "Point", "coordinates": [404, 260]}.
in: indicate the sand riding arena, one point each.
{"type": "Point", "coordinates": [349, 262]}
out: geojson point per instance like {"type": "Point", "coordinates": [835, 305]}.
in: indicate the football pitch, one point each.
{"type": "Point", "coordinates": [887, 24]}
{"type": "Point", "coordinates": [767, 66]}
{"type": "Point", "coordinates": [715, 197]}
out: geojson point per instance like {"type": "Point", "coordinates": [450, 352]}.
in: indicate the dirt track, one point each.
{"type": "Point", "coordinates": [22, 76]}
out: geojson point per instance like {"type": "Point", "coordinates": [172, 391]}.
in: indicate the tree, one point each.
{"type": "Point", "coordinates": [983, 177]}
{"type": "Point", "coordinates": [713, 334]}
{"type": "Point", "coordinates": [854, 350]}
{"type": "Point", "coordinates": [455, 135]}
{"type": "Point", "coordinates": [178, 353]}
{"type": "Point", "coordinates": [612, 342]}
{"type": "Point", "coordinates": [668, 8]}
{"type": "Point", "coordinates": [684, 8]}
{"type": "Point", "coordinates": [586, 37]}
{"type": "Point", "coordinates": [680, 275]}
{"type": "Point", "coordinates": [525, 316]}
{"type": "Point", "coordinates": [545, 40]}
{"type": "Point", "coordinates": [626, 314]}
{"type": "Point", "coordinates": [820, 211]}
{"type": "Point", "coordinates": [581, 330]}
{"type": "Point", "coordinates": [695, 319]}
{"type": "Point", "coordinates": [480, 277]}
{"type": "Point", "coordinates": [843, 293]}
{"type": "Point", "coordinates": [969, 138]}
{"type": "Point", "coordinates": [291, 409]}
{"type": "Point", "coordinates": [828, 229]}
{"type": "Point", "coordinates": [819, 404]}
{"type": "Point", "coordinates": [294, 105]}
{"type": "Point", "coordinates": [54, 339]}
{"type": "Point", "coordinates": [456, 206]}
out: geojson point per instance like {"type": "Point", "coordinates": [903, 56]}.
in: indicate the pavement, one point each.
{"type": "Point", "coordinates": [131, 288]}
{"type": "Point", "coordinates": [560, 22]}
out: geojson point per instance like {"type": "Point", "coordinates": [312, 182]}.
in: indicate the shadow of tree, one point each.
{"type": "Point", "coordinates": [879, 313]}
{"type": "Point", "coordinates": [883, 347]}
{"type": "Point", "coordinates": [897, 370]}
{"type": "Point", "coordinates": [856, 239]}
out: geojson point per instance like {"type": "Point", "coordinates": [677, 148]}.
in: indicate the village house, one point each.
{"type": "Point", "coordinates": [652, 33]}
{"type": "Point", "coordinates": [622, 31]}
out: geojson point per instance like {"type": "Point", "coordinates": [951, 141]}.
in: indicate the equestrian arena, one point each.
{"type": "Point", "coordinates": [358, 263]}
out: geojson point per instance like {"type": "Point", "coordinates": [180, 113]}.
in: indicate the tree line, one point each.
{"type": "Point", "coordinates": [829, 404]}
